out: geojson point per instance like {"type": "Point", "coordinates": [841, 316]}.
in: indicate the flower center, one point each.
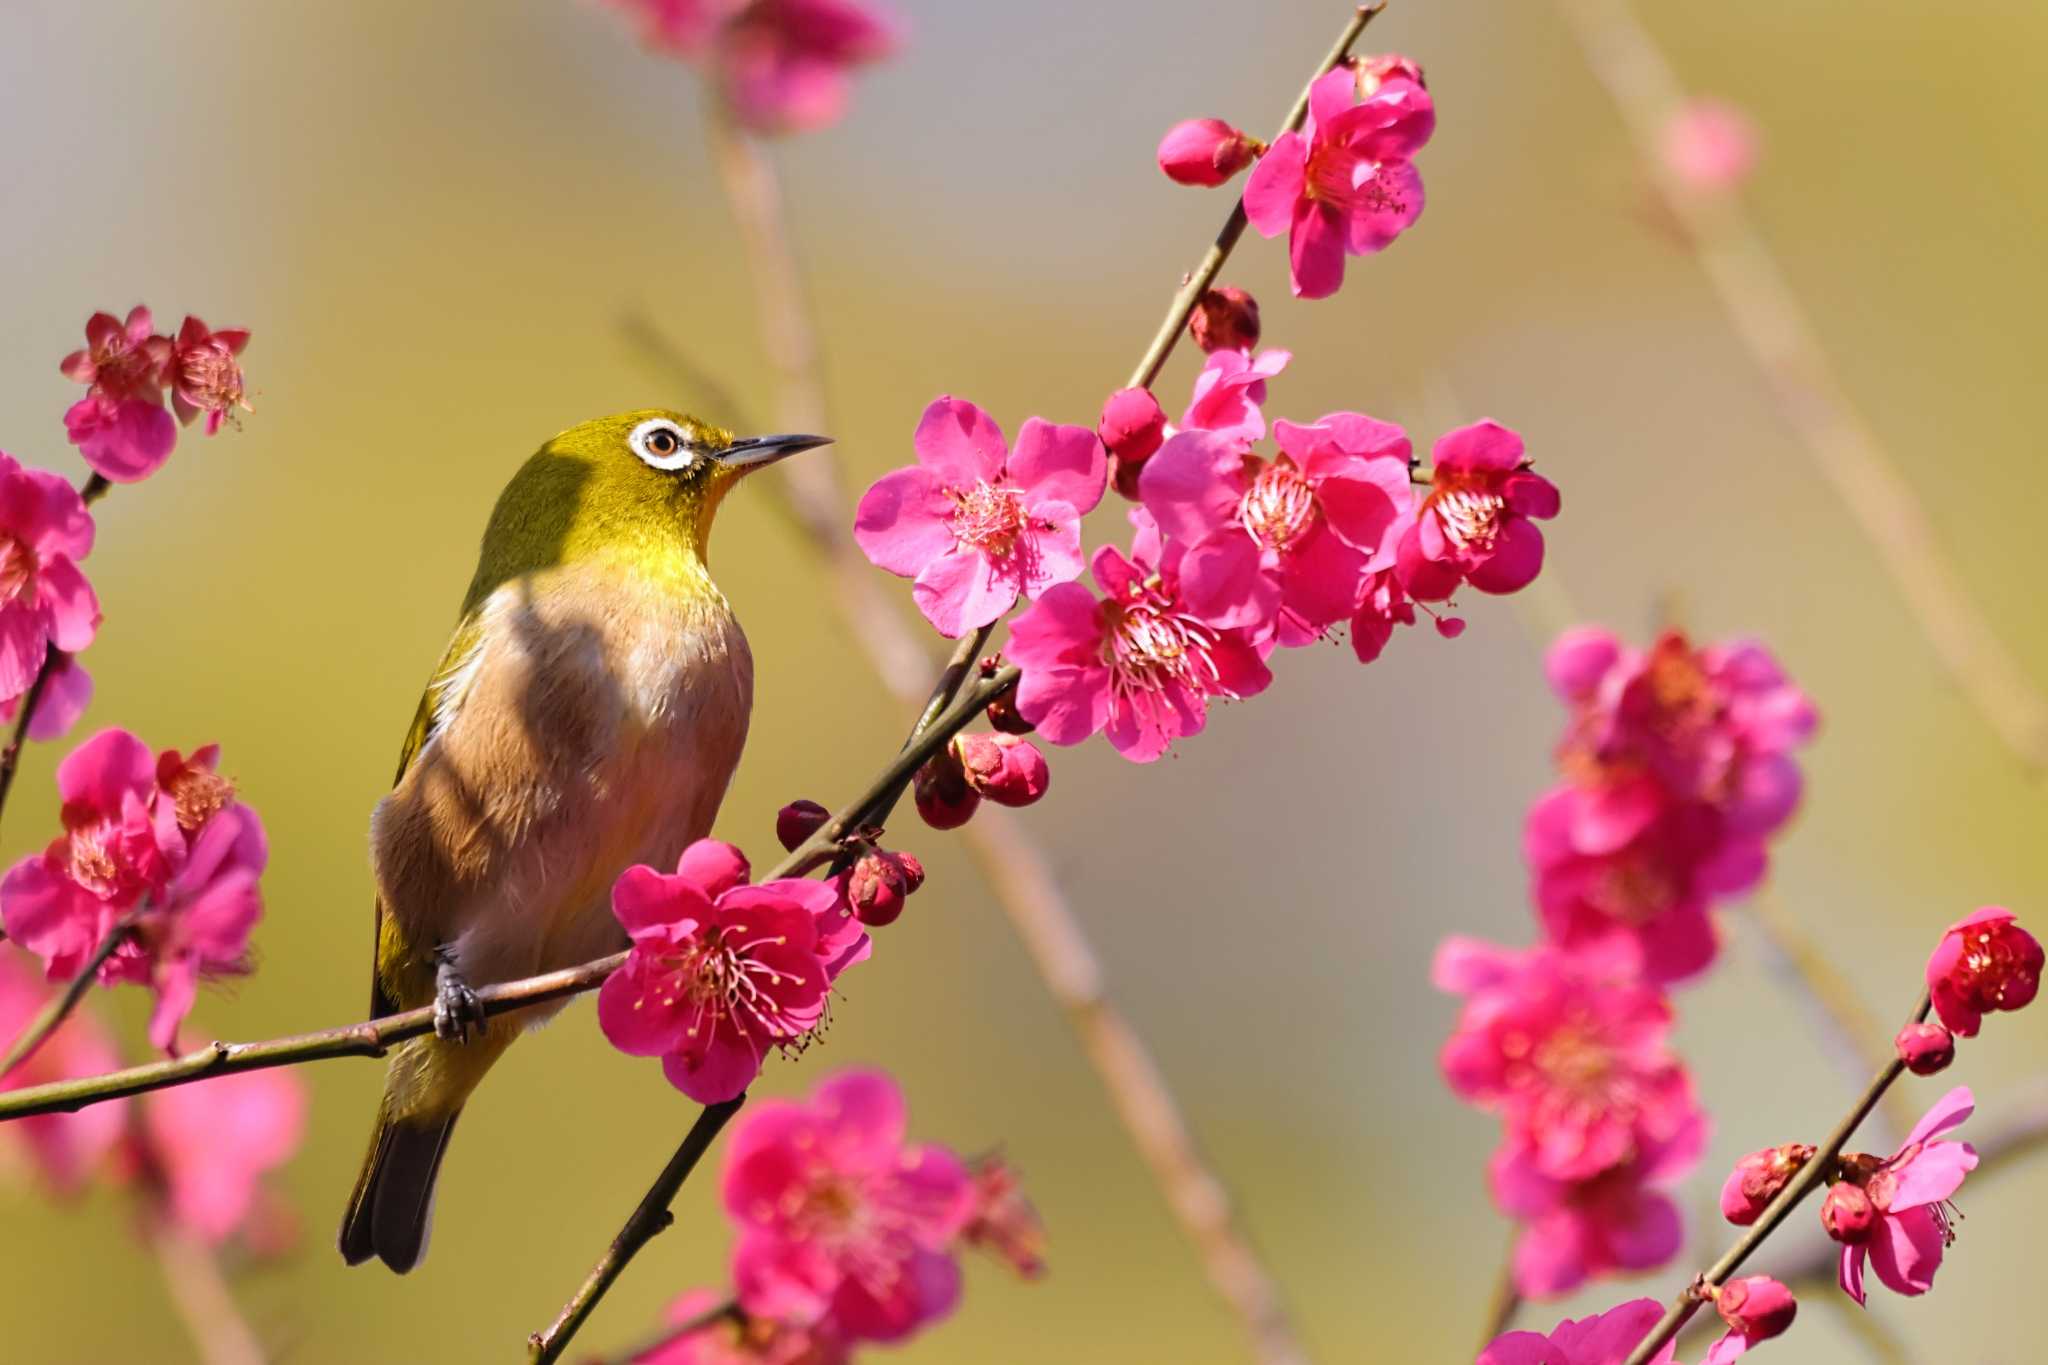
{"type": "Point", "coordinates": [1471, 517]}
{"type": "Point", "coordinates": [988, 519]}
{"type": "Point", "coordinates": [716, 973]}
{"type": "Point", "coordinates": [211, 377]}
{"type": "Point", "coordinates": [18, 565]}
{"type": "Point", "coordinates": [1995, 969]}
{"type": "Point", "coordinates": [1350, 184]}
{"type": "Point", "coordinates": [1279, 508]}
{"type": "Point", "coordinates": [1152, 648]}
{"type": "Point", "coordinates": [91, 858]}
{"type": "Point", "coordinates": [199, 795]}
{"type": "Point", "coordinates": [1572, 1059]}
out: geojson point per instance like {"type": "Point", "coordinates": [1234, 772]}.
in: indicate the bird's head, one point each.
{"type": "Point", "coordinates": [643, 485]}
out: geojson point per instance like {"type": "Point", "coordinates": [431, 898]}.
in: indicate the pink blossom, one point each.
{"type": "Point", "coordinates": [125, 439]}
{"type": "Point", "coordinates": [1573, 1055]}
{"type": "Point", "coordinates": [976, 524]}
{"type": "Point", "coordinates": [840, 1217]}
{"type": "Point", "coordinates": [721, 970]}
{"type": "Point", "coordinates": [208, 1146]}
{"type": "Point", "coordinates": [45, 600]}
{"type": "Point", "coordinates": [65, 697]}
{"type": "Point", "coordinates": [1282, 547]}
{"type": "Point", "coordinates": [1139, 664]}
{"type": "Point", "coordinates": [1229, 391]}
{"type": "Point", "coordinates": [1345, 184]}
{"type": "Point", "coordinates": [1710, 146]}
{"type": "Point", "coordinates": [121, 359]}
{"type": "Point", "coordinates": [205, 373]}
{"type": "Point", "coordinates": [1477, 524]}
{"type": "Point", "coordinates": [1617, 1222]}
{"type": "Point", "coordinates": [63, 1150]}
{"type": "Point", "coordinates": [738, 1339]}
{"type": "Point", "coordinates": [159, 835]}
{"type": "Point", "coordinates": [1383, 604]}
{"type": "Point", "coordinates": [1984, 963]}
{"type": "Point", "coordinates": [1605, 1339]}
{"type": "Point", "coordinates": [1205, 151]}
{"type": "Point", "coordinates": [787, 65]}
{"type": "Point", "coordinates": [1225, 319]}
{"type": "Point", "coordinates": [1910, 1193]}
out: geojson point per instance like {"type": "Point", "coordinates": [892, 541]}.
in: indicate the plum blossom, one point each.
{"type": "Point", "coordinates": [206, 1148]}
{"type": "Point", "coordinates": [1910, 1193]}
{"type": "Point", "coordinates": [155, 841]}
{"type": "Point", "coordinates": [45, 600]}
{"type": "Point", "coordinates": [205, 374]}
{"type": "Point", "coordinates": [975, 524]}
{"type": "Point", "coordinates": [1345, 185]}
{"type": "Point", "coordinates": [1604, 1339]}
{"type": "Point", "coordinates": [787, 65]}
{"type": "Point", "coordinates": [741, 1339]}
{"type": "Point", "coordinates": [1282, 547]}
{"type": "Point", "coordinates": [1617, 1222]}
{"type": "Point", "coordinates": [1205, 151]}
{"type": "Point", "coordinates": [1477, 523]}
{"type": "Point", "coordinates": [1229, 390]}
{"type": "Point", "coordinates": [122, 439]}
{"type": "Point", "coordinates": [1139, 664]}
{"type": "Point", "coordinates": [720, 970]}
{"type": "Point", "coordinates": [121, 359]}
{"type": "Point", "coordinates": [120, 426]}
{"type": "Point", "coordinates": [62, 1150]}
{"type": "Point", "coordinates": [1574, 1056]}
{"type": "Point", "coordinates": [1709, 146]}
{"type": "Point", "coordinates": [840, 1217]}
{"type": "Point", "coordinates": [1984, 963]}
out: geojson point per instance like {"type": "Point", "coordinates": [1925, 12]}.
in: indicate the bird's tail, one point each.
{"type": "Point", "coordinates": [391, 1211]}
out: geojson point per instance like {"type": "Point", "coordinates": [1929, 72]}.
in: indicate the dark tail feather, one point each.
{"type": "Point", "coordinates": [392, 1209]}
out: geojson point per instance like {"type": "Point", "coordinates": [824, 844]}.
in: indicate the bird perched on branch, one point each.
{"type": "Point", "coordinates": [587, 716]}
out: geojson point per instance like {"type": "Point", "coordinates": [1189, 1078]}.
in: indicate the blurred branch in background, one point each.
{"type": "Point", "coordinates": [1781, 338]}
{"type": "Point", "coordinates": [200, 1294]}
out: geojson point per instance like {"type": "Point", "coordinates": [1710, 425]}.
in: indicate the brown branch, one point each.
{"type": "Point", "coordinates": [1776, 1212]}
{"type": "Point", "coordinates": [53, 1015]}
{"type": "Point", "coordinates": [650, 1217]}
{"type": "Point", "coordinates": [1787, 350]}
{"type": "Point", "coordinates": [200, 1294]}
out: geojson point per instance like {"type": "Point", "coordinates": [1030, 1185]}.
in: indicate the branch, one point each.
{"type": "Point", "coordinates": [202, 1299]}
{"type": "Point", "coordinates": [649, 1218]}
{"type": "Point", "coordinates": [1775, 1213]}
{"type": "Point", "coordinates": [1781, 339]}
{"type": "Point", "coordinates": [57, 1011]}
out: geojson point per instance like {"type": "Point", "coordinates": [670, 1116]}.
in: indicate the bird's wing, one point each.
{"type": "Point", "coordinates": [437, 705]}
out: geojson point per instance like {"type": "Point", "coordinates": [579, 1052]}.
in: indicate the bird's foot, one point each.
{"type": "Point", "coordinates": [458, 1014]}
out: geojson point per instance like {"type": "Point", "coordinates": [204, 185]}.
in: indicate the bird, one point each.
{"type": "Point", "coordinates": [587, 715]}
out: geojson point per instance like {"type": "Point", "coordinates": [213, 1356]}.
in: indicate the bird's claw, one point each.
{"type": "Point", "coordinates": [458, 1014]}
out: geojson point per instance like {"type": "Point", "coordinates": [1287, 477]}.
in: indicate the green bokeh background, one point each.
{"type": "Point", "coordinates": [435, 217]}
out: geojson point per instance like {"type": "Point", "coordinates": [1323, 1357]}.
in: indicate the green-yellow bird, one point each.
{"type": "Point", "coordinates": [587, 716]}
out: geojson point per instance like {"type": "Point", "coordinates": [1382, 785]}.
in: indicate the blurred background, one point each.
{"type": "Point", "coordinates": [435, 219]}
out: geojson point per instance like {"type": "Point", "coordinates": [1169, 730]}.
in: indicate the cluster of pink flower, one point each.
{"type": "Point", "coordinates": [848, 1233]}
{"type": "Point", "coordinates": [197, 1154]}
{"type": "Point", "coordinates": [780, 65]}
{"type": "Point", "coordinates": [155, 851]}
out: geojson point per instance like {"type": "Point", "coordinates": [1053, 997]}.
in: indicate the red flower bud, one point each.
{"type": "Point", "coordinates": [878, 883]}
{"type": "Point", "coordinates": [1983, 963]}
{"type": "Point", "coordinates": [1925, 1048]}
{"type": "Point", "coordinates": [1756, 1307]}
{"type": "Point", "coordinates": [1225, 319]}
{"type": "Point", "coordinates": [1007, 769]}
{"type": "Point", "coordinates": [1004, 715]}
{"type": "Point", "coordinates": [1848, 1213]}
{"type": "Point", "coordinates": [1205, 151]}
{"type": "Point", "coordinates": [1757, 1178]}
{"type": "Point", "coordinates": [1132, 428]}
{"type": "Point", "coordinates": [941, 792]}
{"type": "Point", "coordinates": [798, 821]}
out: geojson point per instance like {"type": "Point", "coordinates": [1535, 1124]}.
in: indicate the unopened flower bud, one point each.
{"type": "Point", "coordinates": [1756, 1307]}
{"type": "Point", "coordinates": [1225, 319]}
{"type": "Point", "coordinates": [1848, 1213]}
{"type": "Point", "coordinates": [1983, 964]}
{"type": "Point", "coordinates": [1007, 769]}
{"type": "Point", "coordinates": [1004, 715]}
{"type": "Point", "coordinates": [878, 883]}
{"type": "Point", "coordinates": [1132, 428]}
{"type": "Point", "coordinates": [798, 821]}
{"type": "Point", "coordinates": [1925, 1048]}
{"type": "Point", "coordinates": [941, 792]}
{"type": "Point", "coordinates": [1757, 1179]}
{"type": "Point", "coordinates": [1205, 151]}
{"type": "Point", "coordinates": [1376, 70]}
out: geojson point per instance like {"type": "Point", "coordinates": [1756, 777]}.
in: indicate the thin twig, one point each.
{"type": "Point", "coordinates": [375, 1038]}
{"type": "Point", "coordinates": [200, 1294]}
{"type": "Point", "coordinates": [1506, 1302]}
{"type": "Point", "coordinates": [53, 1015]}
{"type": "Point", "coordinates": [1781, 338]}
{"type": "Point", "coordinates": [1775, 1213]}
{"type": "Point", "coordinates": [650, 1217]}
{"type": "Point", "coordinates": [669, 1336]}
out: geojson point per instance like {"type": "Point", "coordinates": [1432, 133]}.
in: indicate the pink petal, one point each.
{"type": "Point", "coordinates": [1516, 559]}
{"type": "Point", "coordinates": [1950, 1111]}
{"type": "Point", "coordinates": [1364, 509]}
{"type": "Point", "coordinates": [959, 443]}
{"type": "Point", "coordinates": [1849, 1272]}
{"type": "Point", "coordinates": [104, 770]}
{"type": "Point", "coordinates": [722, 1070]}
{"type": "Point", "coordinates": [1276, 185]}
{"type": "Point", "coordinates": [1065, 687]}
{"type": "Point", "coordinates": [1054, 556]}
{"type": "Point", "coordinates": [24, 638]}
{"type": "Point", "coordinates": [640, 1015]}
{"type": "Point", "coordinates": [1484, 445]}
{"type": "Point", "coordinates": [1373, 225]}
{"type": "Point", "coordinates": [714, 867]}
{"type": "Point", "coordinates": [962, 591]}
{"type": "Point", "coordinates": [1315, 251]}
{"type": "Point", "coordinates": [1334, 92]}
{"type": "Point", "coordinates": [865, 1113]}
{"type": "Point", "coordinates": [644, 900]}
{"type": "Point", "coordinates": [1188, 486]}
{"type": "Point", "coordinates": [1579, 659]}
{"type": "Point", "coordinates": [1060, 464]}
{"type": "Point", "coordinates": [1906, 1250]}
{"type": "Point", "coordinates": [1224, 584]}
{"type": "Point", "coordinates": [74, 610]}
{"type": "Point", "coordinates": [904, 521]}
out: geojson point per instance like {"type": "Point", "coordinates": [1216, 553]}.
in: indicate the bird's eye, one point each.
{"type": "Point", "coordinates": [658, 442]}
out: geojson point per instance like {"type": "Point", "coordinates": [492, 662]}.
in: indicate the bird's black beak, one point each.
{"type": "Point", "coordinates": [753, 452]}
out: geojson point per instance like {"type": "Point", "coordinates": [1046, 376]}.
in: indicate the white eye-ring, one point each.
{"type": "Point", "coordinates": [661, 444]}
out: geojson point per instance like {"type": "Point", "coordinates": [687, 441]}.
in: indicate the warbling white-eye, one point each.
{"type": "Point", "coordinates": [587, 716]}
